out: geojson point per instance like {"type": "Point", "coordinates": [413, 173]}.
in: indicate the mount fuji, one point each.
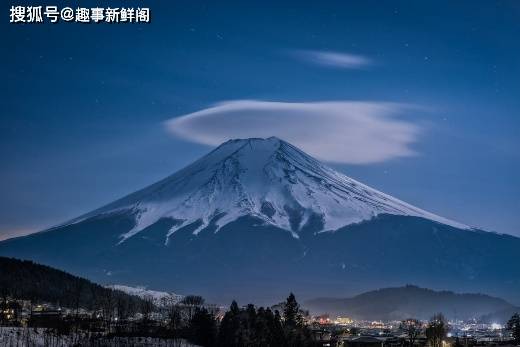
{"type": "Point", "coordinates": [256, 218]}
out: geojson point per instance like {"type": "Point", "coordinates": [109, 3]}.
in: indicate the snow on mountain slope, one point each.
{"type": "Point", "coordinates": [266, 178]}
{"type": "Point", "coordinates": [143, 293]}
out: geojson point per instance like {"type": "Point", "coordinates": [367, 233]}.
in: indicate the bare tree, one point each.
{"type": "Point", "coordinates": [192, 302]}
{"type": "Point", "coordinates": [412, 328]}
{"type": "Point", "coordinates": [122, 311]}
{"type": "Point", "coordinates": [108, 305]}
{"type": "Point", "coordinates": [147, 307]}
{"type": "Point", "coordinates": [77, 290]}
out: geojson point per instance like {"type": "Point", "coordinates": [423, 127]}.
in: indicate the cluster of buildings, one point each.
{"type": "Point", "coordinates": [347, 332]}
{"type": "Point", "coordinates": [14, 312]}
{"type": "Point", "coordinates": [23, 313]}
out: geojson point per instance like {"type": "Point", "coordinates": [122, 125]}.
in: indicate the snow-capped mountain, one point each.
{"type": "Point", "coordinates": [255, 219]}
{"type": "Point", "coordinates": [266, 178]}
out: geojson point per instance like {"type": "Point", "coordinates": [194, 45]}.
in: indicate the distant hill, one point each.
{"type": "Point", "coordinates": [24, 279]}
{"type": "Point", "coordinates": [409, 301]}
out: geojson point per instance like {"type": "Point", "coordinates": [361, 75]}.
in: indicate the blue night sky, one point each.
{"type": "Point", "coordinates": [84, 106]}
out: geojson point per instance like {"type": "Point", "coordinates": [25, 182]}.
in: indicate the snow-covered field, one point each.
{"type": "Point", "coordinates": [30, 337]}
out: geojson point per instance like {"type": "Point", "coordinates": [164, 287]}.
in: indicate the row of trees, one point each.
{"type": "Point", "coordinates": [435, 331]}
{"type": "Point", "coordinates": [251, 326]}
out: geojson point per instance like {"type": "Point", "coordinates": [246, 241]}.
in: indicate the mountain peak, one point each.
{"type": "Point", "coordinates": [253, 144]}
{"type": "Point", "coordinates": [268, 179]}
{"type": "Point", "coordinates": [271, 139]}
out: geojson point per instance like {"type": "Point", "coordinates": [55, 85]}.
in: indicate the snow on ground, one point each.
{"type": "Point", "coordinates": [30, 337]}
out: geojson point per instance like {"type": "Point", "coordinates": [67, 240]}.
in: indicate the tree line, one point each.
{"type": "Point", "coordinates": [251, 326]}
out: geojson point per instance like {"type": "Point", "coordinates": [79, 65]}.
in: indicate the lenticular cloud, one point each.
{"type": "Point", "coordinates": [340, 131]}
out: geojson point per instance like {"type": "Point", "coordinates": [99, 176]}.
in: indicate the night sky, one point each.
{"type": "Point", "coordinates": [84, 107]}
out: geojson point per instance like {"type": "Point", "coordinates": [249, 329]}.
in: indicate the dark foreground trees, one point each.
{"type": "Point", "coordinates": [203, 328]}
{"type": "Point", "coordinates": [437, 330]}
{"type": "Point", "coordinates": [250, 326]}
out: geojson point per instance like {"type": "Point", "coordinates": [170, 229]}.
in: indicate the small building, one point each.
{"type": "Point", "coordinates": [323, 337]}
{"type": "Point", "coordinates": [343, 320]}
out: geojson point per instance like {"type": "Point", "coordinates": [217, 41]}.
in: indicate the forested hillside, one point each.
{"type": "Point", "coordinates": [22, 279]}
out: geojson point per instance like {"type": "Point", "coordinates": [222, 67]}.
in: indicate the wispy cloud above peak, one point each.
{"type": "Point", "coordinates": [340, 60]}
{"type": "Point", "coordinates": [337, 131]}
